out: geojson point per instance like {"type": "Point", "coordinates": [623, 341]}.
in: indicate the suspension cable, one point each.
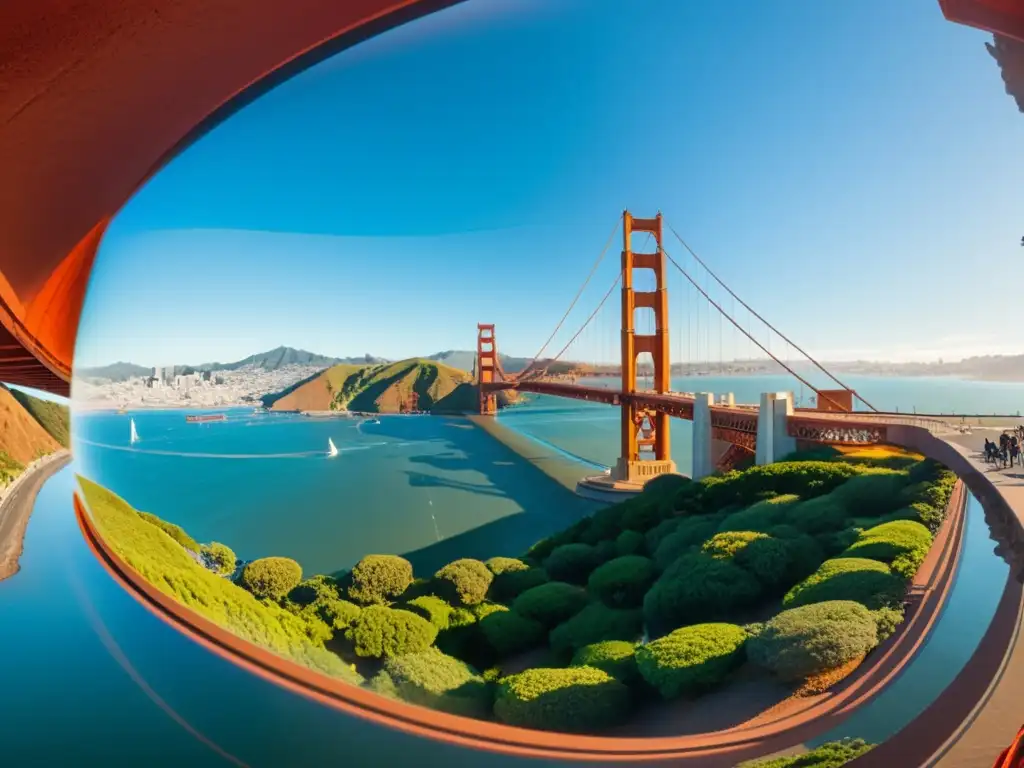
{"type": "Point", "coordinates": [579, 293]}
{"type": "Point", "coordinates": [770, 326]}
{"type": "Point", "coordinates": [713, 303]}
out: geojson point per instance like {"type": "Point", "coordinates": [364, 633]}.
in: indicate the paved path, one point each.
{"type": "Point", "coordinates": [16, 508]}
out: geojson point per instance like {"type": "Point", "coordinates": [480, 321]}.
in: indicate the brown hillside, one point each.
{"type": "Point", "coordinates": [21, 436]}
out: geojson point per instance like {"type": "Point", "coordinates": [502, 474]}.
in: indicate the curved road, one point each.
{"type": "Point", "coordinates": [16, 508]}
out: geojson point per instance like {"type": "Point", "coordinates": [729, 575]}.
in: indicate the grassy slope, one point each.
{"type": "Point", "coordinates": [53, 417]}
{"type": "Point", "coordinates": [165, 564]}
{"type": "Point", "coordinates": [382, 388]}
{"type": "Point", "coordinates": [21, 436]}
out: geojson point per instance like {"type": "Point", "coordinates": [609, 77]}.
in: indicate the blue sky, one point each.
{"type": "Point", "coordinates": [851, 169]}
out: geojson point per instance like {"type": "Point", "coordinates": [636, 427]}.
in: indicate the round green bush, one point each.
{"type": "Point", "coordinates": [574, 700]}
{"type": "Point", "coordinates": [622, 582]}
{"type": "Point", "coordinates": [464, 582]}
{"type": "Point", "coordinates": [220, 558]}
{"type": "Point", "coordinates": [603, 525]}
{"type": "Point", "coordinates": [380, 632]}
{"type": "Point", "coordinates": [698, 588]}
{"type": "Point", "coordinates": [335, 612]}
{"type": "Point", "coordinates": [725, 546]}
{"type": "Point", "coordinates": [176, 532]}
{"type": "Point", "coordinates": [314, 588]}
{"type": "Point", "coordinates": [834, 542]}
{"type": "Point", "coordinates": [779, 563]}
{"type": "Point", "coordinates": [813, 638]}
{"type": "Point", "coordinates": [666, 485]}
{"type": "Point", "coordinates": [379, 579]}
{"type": "Point", "coordinates": [805, 479]}
{"type": "Point", "coordinates": [500, 565]}
{"type": "Point", "coordinates": [551, 603]}
{"type": "Point", "coordinates": [642, 513]}
{"type": "Point", "coordinates": [760, 517]}
{"type": "Point", "coordinates": [872, 494]}
{"type": "Point", "coordinates": [485, 609]}
{"type": "Point", "coordinates": [605, 551]}
{"type": "Point", "coordinates": [271, 577]}
{"type": "Point", "coordinates": [888, 620]}
{"type": "Point", "coordinates": [433, 609]}
{"type": "Point", "coordinates": [691, 532]}
{"type": "Point", "coordinates": [630, 543]}
{"type": "Point", "coordinates": [691, 659]}
{"type": "Point", "coordinates": [616, 657]}
{"type": "Point", "coordinates": [571, 563]}
{"type": "Point", "coordinates": [507, 586]}
{"type": "Point", "coordinates": [594, 624]}
{"type": "Point", "coordinates": [818, 515]}
{"type": "Point", "coordinates": [507, 633]}
{"type": "Point", "coordinates": [657, 534]}
{"type": "Point", "coordinates": [888, 541]}
{"type": "Point", "coordinates": [432, 679]}
{"type": "Point", "coordinates": [868, 582]}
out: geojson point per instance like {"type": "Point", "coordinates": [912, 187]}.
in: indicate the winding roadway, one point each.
{"type": "Point", "coordinates": [16, 508]}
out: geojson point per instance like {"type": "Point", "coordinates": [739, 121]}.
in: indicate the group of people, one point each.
{"type": "Point", "coordinates": [1008, 451]}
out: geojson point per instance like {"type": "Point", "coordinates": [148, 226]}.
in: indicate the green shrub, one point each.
{"type": "Point", "coordinates": [616, 657]}
{"type": "Point", "coordinates": [508, 633]}
{"type": "Point", "coordinates": [785, 531]}
{"type": "Point", "coordinates": [594, 624]}
{"type": "Point", "coordinates": [464, 582]}
{"type": "Point", "coordinates": [500, 565]}
{"type": "Point", "coordinates": [834, 542]}
{"type": "Point", "coordinates": [577, 699]}
{"type": "Point", "coordinates": [698, 588]}
{"type": "Point", "coordinates": [760, 517]}
{"type": "Point", "coordinates": [220, 557]}
{"type": "Point", "coordinates": [313, 589]}
{"type": "Point", "coordinates": [813, 638]}
{"type": "Point", "coordinates": [603, 525]}
{"type": "Point", "coordinates": [630, 543]}
{"type": "Point", "coordinates": [605, 551]}
{"type": "Point", "coordinates": [887, 620]}
{"type": "Point", "coordinates": [380, 632]}
{"type": "Point", "coordinates": [383, 685]}
{"type": "Point", "coordinates": [176, 532]}
{"type": "Point", "coordinates": [691, 659]}
{"type": "Point", "coordinates": [432, 679]}
{"type": "Point", "coordinates": [378, 579]}
{"type": "Point", "coordinates": [485, 609]}
{"type": "Point", "coordinates": [507, 586]}
{"type": "Point", "coordinates": [867, 582]}
{"type": "Point", "coordinates": [927, 515]}
{"type": "Point", "coordinates": [271, 577]}
{"type": "Point", "coordinates": [335, 612]}
{"type": "Point", "coordinates": [551, 603]}
{"type": "Point", "coordinates": [818, 515]}
{"type": "Point", "coordinates": [666, 486]}
{"type": "Point", "coordinates": [802, 478]}
{"type": "Point", "coordinates": [888, 541]}
{"type": "Point", "coordinates": [571, 563]}
{"type": "Point", "coordinates": [779, 563]}
{"type": "Point", "coordinates": [906, 564]}
{"type": "Point", "coordinates": [642, 513]}
{"type": "Point", "coordinates": [872, 494]}
{"type": "Point", "coordinates": [433, 609]}
{"type": "Point", "coordinates": [622, 582]}
{"type": "Point", "coordinates": [690, 532]}
{"type": "Point", "coordinates": [725, 546]}
{"type": "Point", "coordinates": [657, 534]}
{"type": "Point", "coordinates": [833, 754]}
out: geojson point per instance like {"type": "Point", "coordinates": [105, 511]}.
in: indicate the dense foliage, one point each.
{"type": "Point", "coordinates": [464, 582]}
{"type": "Point", "coordinates": [378, 579]}
{"type": "Point", "coordinates": [576, 699]}
{"type": "Point", "coordinates": [220, 558]}
{"type": "Point", "coordinates": [508, 632]}
{"type": "Point", "coordinates": [691, 659]}
{"type": "Point", "coordinates": [686, 535]}
{"type": "Point", "coordinates": [833, 754]}
{"type": "Point", "coordinates": [433, 609]}
{"type": "Point", "coordinates": [848, 578]}
{"type": "Point", "coordinates": [593, 624]}
{"type": "Point", "coordinates": [571, 563]}
{"type": "Point", "coordinates": [762, 516]}
{"type": "Point", "coordinates": [176, 532]}
{"type": "Point", "coordinates": [616, 657]}
{"type": "Point", "coordinates": [813, 638]}
{"type": "Point", "coordinates": [551, 603]}
{"type": "Point", "coordinates": [271, 577]}
{"type": "Point", "coordinates": [507, 586]}
{"type": "Point", "coordinates": [622, 582]}
{"type": "Point", "coordinates": [432, 679]}
{"type": "Point", "coordinates": [379, 631]}
{"type": "Point", "coordinates": [780, 561]}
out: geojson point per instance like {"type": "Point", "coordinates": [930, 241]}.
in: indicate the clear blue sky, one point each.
{"type": "Point", "coordinates": [851, 169]}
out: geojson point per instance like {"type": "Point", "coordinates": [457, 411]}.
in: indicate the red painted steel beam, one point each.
{"type": "Point", "coordinates": [1000, 17]}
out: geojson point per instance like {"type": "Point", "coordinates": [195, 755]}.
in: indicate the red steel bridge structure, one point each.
{"type": "Point", "coordinates": [840, 417]}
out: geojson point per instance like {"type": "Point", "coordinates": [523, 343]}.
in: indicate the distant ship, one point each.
{"type": "Point", "coordinates": [206, 417]}
{"type": "Point", "coordinates": [135, 435]}
{"type": "Point", "coordinates": [331, 449]}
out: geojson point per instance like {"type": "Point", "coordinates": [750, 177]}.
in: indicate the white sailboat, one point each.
{"type": "Point", "coordinates": [331, 449]}
{"type": "Point", "coordinates": [135, 434]}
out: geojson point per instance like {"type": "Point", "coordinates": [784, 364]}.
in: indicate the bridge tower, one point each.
{"type": "Point", "coordinates": [486, 367]}
{"type": "Point", "coordinates": [637, 423]}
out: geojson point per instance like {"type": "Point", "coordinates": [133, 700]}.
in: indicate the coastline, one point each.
{"type": "Point", "coordinates": [17, 505]}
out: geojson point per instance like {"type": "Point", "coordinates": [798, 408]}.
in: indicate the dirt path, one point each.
{"type": "Point", "coordinates": [16, 508]}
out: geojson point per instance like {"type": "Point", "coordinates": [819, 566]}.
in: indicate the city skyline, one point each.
{"type": "Point", "coordinates": [820, 164]}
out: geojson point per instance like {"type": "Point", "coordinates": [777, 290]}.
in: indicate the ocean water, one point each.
{"type": "Point", "coordinates": [119, 686]}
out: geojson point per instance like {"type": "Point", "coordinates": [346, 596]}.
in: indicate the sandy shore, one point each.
{"type": "Point", "coordinates": [17, 505]}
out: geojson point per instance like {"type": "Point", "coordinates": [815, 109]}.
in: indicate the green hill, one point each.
{"type": "Point", "coordinates": [53, 417]}
{"type": "Point", "coordinates": [408, 385]}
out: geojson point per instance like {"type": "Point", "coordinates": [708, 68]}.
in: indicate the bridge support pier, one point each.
{"type": "Point", "coordinates": [773, 440]}
{"type": "Point", "coordinates": [703, 451]}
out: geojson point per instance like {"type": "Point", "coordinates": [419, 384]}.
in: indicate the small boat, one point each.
{"type": "Point", "coordinates": [331, 448]}
{"type": "Point", "coordinates": [204, 417]}
{"type": "Point", "coordinates": [134, 435]}
{"type": "Point", "coordinates": [372, 421]}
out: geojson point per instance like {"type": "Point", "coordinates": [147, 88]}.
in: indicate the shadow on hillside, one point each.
{"type": "Point", "coordinates": [495, 471]}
